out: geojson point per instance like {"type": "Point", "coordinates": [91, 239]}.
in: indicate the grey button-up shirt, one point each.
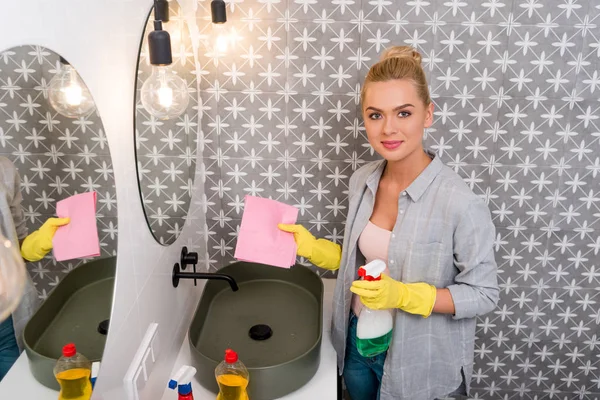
{"type": "Point", "coordinates": [444, 236]}
{"type": "Point", "coordinates": [12, 226]}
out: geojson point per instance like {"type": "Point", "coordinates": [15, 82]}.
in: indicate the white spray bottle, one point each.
{"type": "Point", "coordinates": [374, 327]}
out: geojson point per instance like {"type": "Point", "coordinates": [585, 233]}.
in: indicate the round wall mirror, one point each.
{"type": "Point", "coordinates": [166, 144]}
{"type": "Point", "coordinates": [52, 148]}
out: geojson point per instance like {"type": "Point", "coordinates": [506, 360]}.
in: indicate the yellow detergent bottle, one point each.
{"type": "Point", "coordinates": [72, 371]}
{"type": "Point", "coordinates": [232, 377]}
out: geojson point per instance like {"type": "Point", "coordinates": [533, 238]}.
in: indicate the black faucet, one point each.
{"type": "Point", "coordinates": [177, 275]}
{"type": "Point", "coordinates": [192, 258]}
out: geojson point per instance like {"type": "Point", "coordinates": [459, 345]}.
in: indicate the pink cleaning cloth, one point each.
{"type": "Point", "coordinates": [260, 240]}
{"type": "Point", "coordinates": [79, 238]}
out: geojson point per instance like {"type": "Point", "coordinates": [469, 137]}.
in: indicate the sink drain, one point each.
{"type": "Point", "coordinates": [260, 332]}
{"type": "Point", "coordinates": [103, 327]}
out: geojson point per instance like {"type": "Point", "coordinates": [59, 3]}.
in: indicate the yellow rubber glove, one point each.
{"type": "Point", "coordinates": [414, 298]}
{"type": "Point", "coordinates": [322, 253]}
{"type": "Point", "coordinates": [39, 243]}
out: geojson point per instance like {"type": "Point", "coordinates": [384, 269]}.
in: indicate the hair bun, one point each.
{"type": "Point", "coordinates": [401, 52]}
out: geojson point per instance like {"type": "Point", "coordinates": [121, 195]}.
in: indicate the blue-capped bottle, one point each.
{"type": "Point", "coordinates": [182, 381]}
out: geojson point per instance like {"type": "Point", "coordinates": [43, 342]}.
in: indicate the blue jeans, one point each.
{"type": "Point", "coordinates": [9, 350]}
{"type": "Point", "coordinates": [362, 375]}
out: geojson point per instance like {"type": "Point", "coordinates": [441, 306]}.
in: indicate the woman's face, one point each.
{"type": "Point", "coordinates": [395, 118]}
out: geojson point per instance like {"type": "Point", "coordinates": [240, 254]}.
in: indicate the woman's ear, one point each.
{"type": "Point", "coordinates": [428, 115]}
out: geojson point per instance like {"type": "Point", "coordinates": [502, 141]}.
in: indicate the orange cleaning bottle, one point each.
{"type": "Point", "coordinates": [232, 377]}
{"type": "Point", "coordinates": [72, 371]}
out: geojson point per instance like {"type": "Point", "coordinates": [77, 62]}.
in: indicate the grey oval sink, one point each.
{"type": "Point", "coordinates": [72, 313]}
{"type": "Point", "coordinates": [274, 322]}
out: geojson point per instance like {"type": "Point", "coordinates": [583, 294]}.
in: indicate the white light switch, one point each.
{"type": "Point", "coordinates": [140, 382]}
{"type": "Point", "coordinates": [155, 346]}
{"type": "Point", "coordinates": [141, 367]}
{"type": "Point", "coordinates": [148, 363]}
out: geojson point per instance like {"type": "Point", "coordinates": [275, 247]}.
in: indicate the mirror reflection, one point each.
{"type": "Point", "coordinates": [58, 218]}
{"type": "Point", "coordinates": [166, 144]}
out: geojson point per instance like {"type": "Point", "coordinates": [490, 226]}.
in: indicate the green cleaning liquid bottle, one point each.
{"type": "Point", "coordinates": [232, 377]}
{"type": "Point", "coordinates": [72, 371]}
{"type": "Point", "coordinates": [374, 327]}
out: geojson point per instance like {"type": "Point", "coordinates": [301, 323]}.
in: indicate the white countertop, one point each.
{"type": "Point", "coordinates": [19, 383]}
{"type": "Point", "coordinates": [323, 386]}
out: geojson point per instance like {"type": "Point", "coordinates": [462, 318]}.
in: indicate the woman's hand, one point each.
{"type": "Point", "coordinates": [320, 252]}
{"type": "Point", "coordinates": [39, 243]}
{"type": "Point", "coordinates": [414, 298]}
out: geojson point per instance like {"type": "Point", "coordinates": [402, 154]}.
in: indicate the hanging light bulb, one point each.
{"type": "Point", "coordinates": [164, 94]}
{"type": "Point", "coordinates": [12, 277]}
{"type": "Point", "coordinates": [220, 36]}
{"type": "Point", "coordinates": [68, 95]}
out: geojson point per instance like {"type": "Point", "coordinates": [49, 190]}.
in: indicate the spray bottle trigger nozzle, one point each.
{"type": "Point", "coordinates": [373, 270]}
{"type": "Point", "coordinates": [182, 379]}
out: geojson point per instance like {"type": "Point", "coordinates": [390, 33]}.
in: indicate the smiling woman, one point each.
{"type": "Point", "coordinates": [396, 105]}
{"type": "Point", "coordinates": [434, 235]}
{"type": "Point", "coordinates": [395, 130]}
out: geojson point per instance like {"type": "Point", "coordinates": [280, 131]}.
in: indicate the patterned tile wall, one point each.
{"type": "Point", "coordinates": [516, 87]}
{"type": "Point", "coordinates": [56, 156]}
{"type": "Point", "coordinates": [166, 150]}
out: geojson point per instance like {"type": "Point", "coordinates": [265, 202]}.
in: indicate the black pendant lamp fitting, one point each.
{"type": "Point", "coordinates": [159, 46]}
{"type": "Point", "coordinates": [218, 10]}
{"type": "Point", "coordinates": [159, 41]}
{"type": "Point", "coordinates": [161, 10]}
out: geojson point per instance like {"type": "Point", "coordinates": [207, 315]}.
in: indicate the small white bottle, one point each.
{"type": "Point", "coordinates": [374, 327]}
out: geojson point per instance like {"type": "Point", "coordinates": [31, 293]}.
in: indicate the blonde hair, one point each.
{"type": "Point", "coordinates": [399, 62]}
